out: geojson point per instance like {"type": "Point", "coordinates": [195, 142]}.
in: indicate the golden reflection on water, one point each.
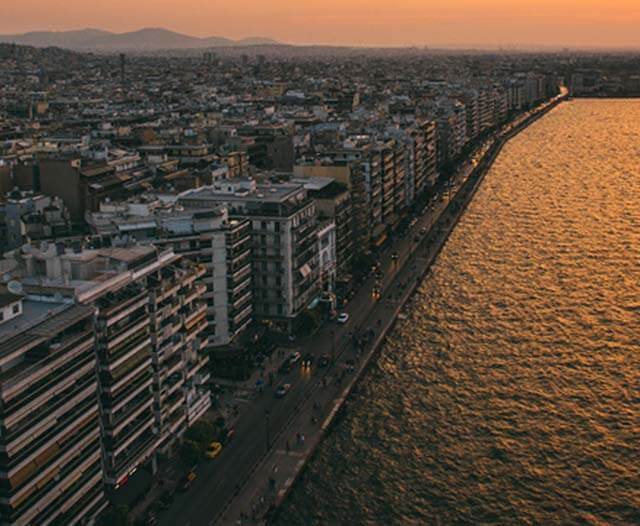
{"type": "Point", "coordinates": [511, 395]}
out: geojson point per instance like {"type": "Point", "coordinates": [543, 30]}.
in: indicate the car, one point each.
{"type": "Point", "coordinates": [307, 360]}
{"type": "Point", "coordinates": [395, 256]}
{"type": "Point", "coordinates": [376, 293]}
{"type": "Point", "coordinates": [324, 360]}
{"type": "Point", "coordinates": [343, 318]}
{"type": "Point", "coordinates": [214, 449]}
{"type": "Point", "coordinates": [423, 231]}
{"type": "Point", "coordinates": [294, 357]}
{"type": "Point", "coordinates": [282, 390]}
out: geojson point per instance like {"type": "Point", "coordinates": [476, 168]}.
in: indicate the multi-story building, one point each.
{"type": "Point", "coordinates": [359, 166]}
{"type": "Point", "coordinates": [208, 237]}
{"type": "Point", "coordinates": [327, 255]}
{"type": "Point", "coordinates": [333, 201]}
{"type": "Point", "coordinates": [146, 315]}
{"type": "Point", "coordinates": [50, 461]}
{"type": "Point", "coordinates": [284, 242]}
{"type": "Point", "coordinates": [30, 217]}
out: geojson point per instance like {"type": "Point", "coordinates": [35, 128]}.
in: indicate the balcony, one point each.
{"type": "Point", "coordinates": [241, 316]}
{"type": "Point", "coordinates": [143, 367]}
{"type": "Point", "coordinates": [114, 360]}
{"type": "Point", "coordinates": [113, 314]}
{"type": "Point", "coordinates": [195, 316]}
{"type": "Point", "coordinates": [201, 362]}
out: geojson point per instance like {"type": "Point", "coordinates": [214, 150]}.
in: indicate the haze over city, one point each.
{"type": "Point", "coordinates": [451, 23]}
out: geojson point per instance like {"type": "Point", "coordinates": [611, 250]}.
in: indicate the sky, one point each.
{"type": "Point", "coordinates": [436, 23]}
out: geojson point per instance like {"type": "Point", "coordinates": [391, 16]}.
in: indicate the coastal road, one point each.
{"type": "Point", "coordinates": [220, 479]}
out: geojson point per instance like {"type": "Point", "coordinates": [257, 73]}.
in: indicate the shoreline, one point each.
{"type": "Point", "coordinates": [435, 239]}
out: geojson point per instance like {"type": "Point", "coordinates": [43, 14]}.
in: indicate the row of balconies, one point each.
{"type": "Point", "coordinates": [41, 419]}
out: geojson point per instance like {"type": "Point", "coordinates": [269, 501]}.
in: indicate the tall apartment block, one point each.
{"type": "Point", "coordinates": [284, 250]}
{"type": "Point", "coordinates": [146, 314]}
{"type": "Point", "coordinates": [50, 447]}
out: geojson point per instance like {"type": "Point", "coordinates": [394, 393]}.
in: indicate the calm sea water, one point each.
{"type": "Point", "coordinates": [511, 395]}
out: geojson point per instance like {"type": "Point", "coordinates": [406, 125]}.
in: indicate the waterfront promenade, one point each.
{"type": "Point", "coordinates": [257, 469]}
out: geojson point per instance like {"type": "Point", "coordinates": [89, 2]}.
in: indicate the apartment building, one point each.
{"type": "Point", "coordinates": [333, 201]}
{"type": "Point", "coordinates": [50, 446]}
{"type": "Point", "coordinates": [146, 314]}
{"type": "Point", "coordinates": [284, 249]}
{"type": "Point", "coordinates": [358, 166]}
{"type": "Point", "coordinates": [31, 216]}
{"type": "Point", "coordinates": [206, 236]}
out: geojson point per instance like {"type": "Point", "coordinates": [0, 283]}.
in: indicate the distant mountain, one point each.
{"type": "Point", "coordinates": [257, 41]}
{"type": "Point", "coordinates": [147, 39]}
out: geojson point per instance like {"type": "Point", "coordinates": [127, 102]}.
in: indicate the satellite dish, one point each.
{"type": "Point", "coordinates": [15, 287]}
{"type": "Point", "coordinates": [6, 278]}
{"type": "Point", "coordinates": [44, 246]}
{"type": "Point", "coordinates": [26, 248]}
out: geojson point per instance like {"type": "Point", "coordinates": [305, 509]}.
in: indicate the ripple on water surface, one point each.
{"type": "Point", "coordinates": [511, 395]}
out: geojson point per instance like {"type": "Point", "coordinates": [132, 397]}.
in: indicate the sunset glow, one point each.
{"type": "Point", "coordinates": [456, 23]}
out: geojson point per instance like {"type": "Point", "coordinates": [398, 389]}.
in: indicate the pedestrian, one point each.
{"type": "Point", "coordinates": [298, 438]}
{"type": "Point", "coordinates": [287, 446]}
{"type": "Point", "coordinates": [302, 439]}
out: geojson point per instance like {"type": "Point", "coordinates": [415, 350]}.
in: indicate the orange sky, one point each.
{"type": "Point", "coordinates": [358, 22]}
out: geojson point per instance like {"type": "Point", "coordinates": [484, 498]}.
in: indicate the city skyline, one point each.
{"type": "Point", "coordinates": [461, 23]}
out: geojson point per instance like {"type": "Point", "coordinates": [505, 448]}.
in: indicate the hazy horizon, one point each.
{"type": "Point", "coordinates": [453, 24]}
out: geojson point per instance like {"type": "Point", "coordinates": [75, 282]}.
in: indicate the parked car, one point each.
{"type": "Point", "coordinates": [343, 318]}
{"type": "Point", "coordinates": [324, 360]}
{"type": "Point", "coordinates": [282, 390]}
{"type": "Point", "coordinates": [214, 449]}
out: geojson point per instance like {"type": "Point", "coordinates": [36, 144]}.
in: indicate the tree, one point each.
{"type": "Point", "coordinates": [201, 433]}
{"type": "Point", "coordinates": [190, 452]}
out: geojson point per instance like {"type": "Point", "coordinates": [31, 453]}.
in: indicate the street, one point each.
{"type": "Point", "coordinates": [218, 480]}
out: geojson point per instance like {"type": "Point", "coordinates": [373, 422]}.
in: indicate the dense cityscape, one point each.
{"type": "Point", "coordinates": [182, 235]}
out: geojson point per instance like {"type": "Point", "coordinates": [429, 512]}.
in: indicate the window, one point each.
{"type": "Point", "coordinates": [277, 226]}
{"type": "Point", "coordinates": [1, 315]}
{"type": "Point", "coordinates": [263, 225]}
{"type": "Point", "coordinates": [16, 308]}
